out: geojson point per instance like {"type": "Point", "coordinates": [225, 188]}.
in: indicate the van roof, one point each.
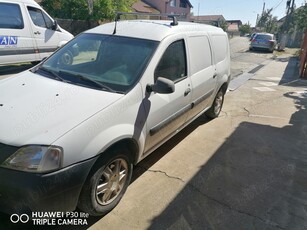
{"type": "Point", "coordinates": [152, 29]}
{"type": "Point", "coordinates": [30, 2]}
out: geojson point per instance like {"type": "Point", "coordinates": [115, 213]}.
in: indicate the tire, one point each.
{"type": "Point", "coordinates": [107, 183]}
{"type": "Point", "coordinates": [217, 105]}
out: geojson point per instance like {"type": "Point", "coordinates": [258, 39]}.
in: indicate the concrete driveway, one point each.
{"type": "Point", "coordinates": [243, 170]}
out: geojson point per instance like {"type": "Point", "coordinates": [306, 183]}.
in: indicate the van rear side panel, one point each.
{"type": "Point", "coordinates": [220, 45]}
{"type": "Point", "coordinates": [202, 71]}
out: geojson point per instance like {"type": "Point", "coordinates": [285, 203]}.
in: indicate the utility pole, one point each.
{"type": "Point", "coordinates": [263, 9]}
{"type": "Point", "coordinates": [198, 11]}
{"type": "Point", "coordinates": [290, 9]}
{"type": "Point", "coordinates": [292, 6]}
{"type": "Point", "coordinates": [90, 6]}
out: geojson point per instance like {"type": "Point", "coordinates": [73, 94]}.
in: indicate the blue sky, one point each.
{"type": "Point", "coordinates": [244, 10]}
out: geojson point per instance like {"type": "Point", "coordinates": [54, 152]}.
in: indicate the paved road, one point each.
{"type": "Point", "coordinates": [243, 60]}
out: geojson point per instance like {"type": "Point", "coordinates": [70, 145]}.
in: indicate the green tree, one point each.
{"type": "Point", "coordinates": [245, 29]}
{"type": "Point", "coordinates": [272, 25]}
{"type": "Point", "coordinates": [267, 22]}
{"type": "Point", "coordinates": [223, 24]}
{"type": "Point", "coordinates": [300, 17]}
{"type": "Point", "coordinates": [86, 9]}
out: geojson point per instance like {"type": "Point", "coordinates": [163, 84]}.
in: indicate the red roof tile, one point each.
{"type": "Point", "coordinates": [142, 7]}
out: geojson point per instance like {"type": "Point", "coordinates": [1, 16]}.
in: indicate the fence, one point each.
{"type": "Point", "coordinates": [76, 26]}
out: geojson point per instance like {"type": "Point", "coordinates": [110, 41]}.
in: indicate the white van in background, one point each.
{"type": "Point", "coordinates": [27, 32]}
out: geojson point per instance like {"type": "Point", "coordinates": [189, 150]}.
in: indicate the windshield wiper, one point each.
{"type": "Point", "coordinates": [84, 78]}
{"type": "Point", "coordinates": [53, 73]}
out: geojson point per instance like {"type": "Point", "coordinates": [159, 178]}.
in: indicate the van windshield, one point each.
{"type": "Point", "coordinates": [104, 62]}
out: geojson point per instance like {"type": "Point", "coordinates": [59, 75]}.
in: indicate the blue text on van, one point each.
{"type": "Point", "coordinates": [8, 40]}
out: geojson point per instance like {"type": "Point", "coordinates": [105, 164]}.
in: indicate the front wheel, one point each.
{"type": "Point", "coordinates": [216, 107]}
{"type": "Point", "coordinates": [106, 184]}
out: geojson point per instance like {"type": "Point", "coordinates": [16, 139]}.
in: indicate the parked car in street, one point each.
{"type": "Point", "coordinates": [27, 32]}
{"type": "Point", "coordinates": [263, 41]}
{"type": "Point", "coordinates": [72, 127]}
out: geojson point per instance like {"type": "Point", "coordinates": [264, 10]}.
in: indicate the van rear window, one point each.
{"type": "Point", "coordinates": [200, 53]}
{"type": "Point", "coordinates": [220, 47]}
{"type": "Point", "coordinates": [10, 16]}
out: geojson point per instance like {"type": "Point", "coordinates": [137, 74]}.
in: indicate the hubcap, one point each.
{"type": "Point", "coordinates": [218, 103]}
{"type": "Point", "coordinates": [112, 181]}
{"type": "Point", "coordinates": [67, 59]}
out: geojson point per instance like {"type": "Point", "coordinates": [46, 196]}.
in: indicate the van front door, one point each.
{"type": "Point", "coordinates": [16, 42]}
{"type": "Point", "coordinates": [46, 37]}
{"type": "Point", "coordinates": [168, 112]}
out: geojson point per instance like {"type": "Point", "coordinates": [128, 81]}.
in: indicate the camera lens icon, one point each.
{"type": "Point", "coordinates": [23, 218]}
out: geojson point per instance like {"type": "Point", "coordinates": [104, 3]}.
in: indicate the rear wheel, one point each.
{"type": "Point", "coordinates": [106, 183]}
{"type": "Point", "coordinates": [217, 105]}
{"type": "Point", "coordinates": [67, 58]}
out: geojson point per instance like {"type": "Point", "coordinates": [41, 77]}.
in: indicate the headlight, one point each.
{"type": "Point", "coordinates": [35, 158]}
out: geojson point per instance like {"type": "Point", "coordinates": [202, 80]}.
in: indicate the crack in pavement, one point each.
{"type": "Point", "coordinates": [249, 115]}
{"type": "Point", "coordinates": [217, 201]}
{"type": "Point", "coordinates": [162, 172]}
{"type": "Point", "coordinates": [248, 112]}
{"type": "Point", "coordinates": [263, 116]}
{"type": "Point", "coordinates": [226, 114]}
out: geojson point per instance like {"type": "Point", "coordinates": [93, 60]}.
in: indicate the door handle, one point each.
{"type": "Point", "coordinates": [37, 32]}
{"type": "Point", "coordinates": [187, 92]}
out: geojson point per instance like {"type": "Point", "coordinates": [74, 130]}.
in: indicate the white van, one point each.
{"type": "Point", "coordinates": [27, 32]}
{"type": "Point", "coordinates": [70, 132]}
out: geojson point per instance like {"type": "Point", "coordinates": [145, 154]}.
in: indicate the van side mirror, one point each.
{"type": "Point", "coordinates": [55, 25]}
{"type": "Point", "coordinates": [162, 86]}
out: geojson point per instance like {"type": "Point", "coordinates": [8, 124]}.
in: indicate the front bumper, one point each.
{"type": "Point", "coordinates": [22, 192]}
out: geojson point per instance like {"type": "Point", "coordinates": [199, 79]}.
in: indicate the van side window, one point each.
{"type": "Point", "coordinates": [200, 53]}
{"type": "Point", "coordinates": [10, 16]}
{"type": "Point", "coordinates": [173, 64]}
{"type": "Point", "coordinates": [39, 18]}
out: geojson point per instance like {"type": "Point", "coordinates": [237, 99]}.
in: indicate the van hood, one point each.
{"type": "Point", "coordinates": [69, 35]}
{"type": "Point", "coordinates": [38, 110]}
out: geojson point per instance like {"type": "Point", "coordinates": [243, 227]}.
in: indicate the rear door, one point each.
{"type": "Point", "coordinates": [46, 39]}
{"type": "Point", "coordinates": [16, 41]}
{"type": "Point", "coordinates": [168, 112]}
{"type": "Point", "coordinates": [202, 72]}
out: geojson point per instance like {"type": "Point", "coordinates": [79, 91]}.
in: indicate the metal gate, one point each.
{"type": "Point", "coordinates": [303, 58]}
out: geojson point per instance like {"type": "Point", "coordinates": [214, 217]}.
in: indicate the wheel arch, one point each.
{"type": "Point", "coordinates": [128, 143]}
{"type": "Point", "coordinates": [224, 87]}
